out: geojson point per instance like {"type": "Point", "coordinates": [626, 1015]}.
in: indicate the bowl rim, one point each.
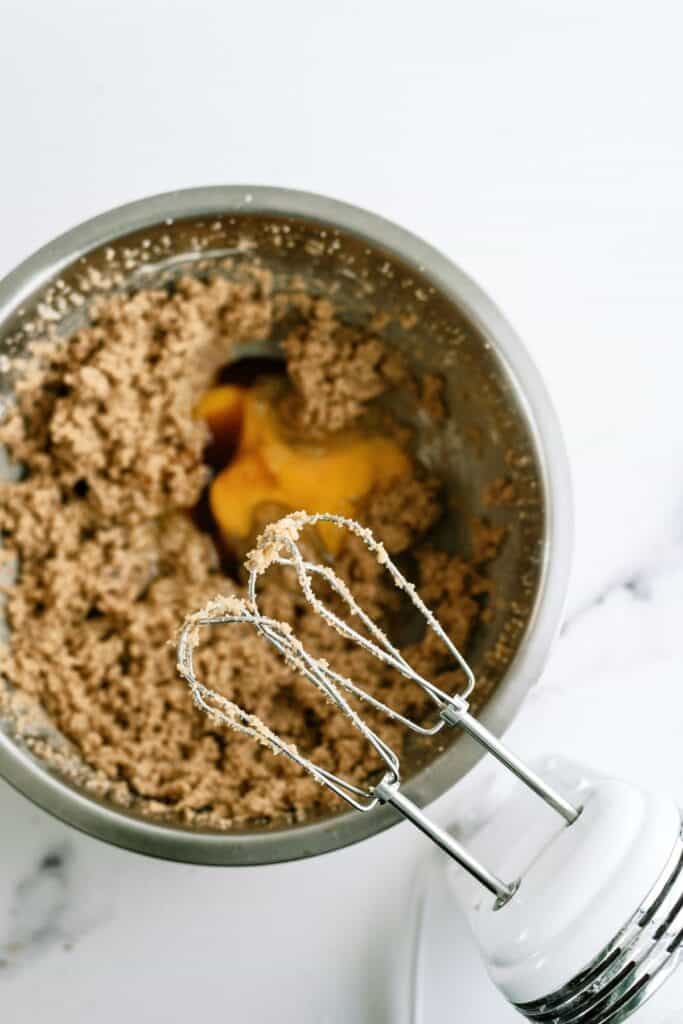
{"type": "Point", "coordinates": [118, 827]}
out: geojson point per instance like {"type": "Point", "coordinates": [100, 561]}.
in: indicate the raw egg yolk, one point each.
{"type": "Point", "coordinates": [265, 467]}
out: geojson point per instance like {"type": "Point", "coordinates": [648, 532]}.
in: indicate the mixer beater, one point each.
{"type": "Point", "coordinates": [587, 926]}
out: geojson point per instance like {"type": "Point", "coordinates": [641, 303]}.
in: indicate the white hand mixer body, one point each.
{"type": "Point", "coordinates": [576, 899]}
{"type": "Point", "coordinates": [596, 925]}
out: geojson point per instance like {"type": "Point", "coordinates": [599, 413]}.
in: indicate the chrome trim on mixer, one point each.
{"type": "Point", "coordinates": [631, 968]}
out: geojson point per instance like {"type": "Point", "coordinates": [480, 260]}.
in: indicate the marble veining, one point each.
{"type": "Point", "coordinates": [35, 919]}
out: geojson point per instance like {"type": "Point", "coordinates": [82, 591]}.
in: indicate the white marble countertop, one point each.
{"type": "Point", "coordinates": [541, 147]}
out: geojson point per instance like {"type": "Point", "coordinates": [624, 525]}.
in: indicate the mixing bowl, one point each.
{"type": "Point", "coordinates": [500, 425]}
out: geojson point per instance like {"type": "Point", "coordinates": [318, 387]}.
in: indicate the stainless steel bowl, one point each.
{"type": "Point", "coordinates": [501, 423]}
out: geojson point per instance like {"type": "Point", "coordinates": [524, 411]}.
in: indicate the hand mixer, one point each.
{"type": "Point", "coordinates": [582, 920]}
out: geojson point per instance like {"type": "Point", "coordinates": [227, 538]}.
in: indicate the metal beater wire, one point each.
{"type": "Point", "coordinates": [230, 714]}
{"type": "Point", "coordinates": [278, 546]}
{"type": "Point", "coordinates": [382, 649]}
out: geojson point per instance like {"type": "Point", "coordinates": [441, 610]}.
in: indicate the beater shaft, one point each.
{"type": "Point", "coordinates": [389, 793]}
{"type": "Point", "coordinates": [454, 716]}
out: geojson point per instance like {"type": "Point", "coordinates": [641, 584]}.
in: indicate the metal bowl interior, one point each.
{"type": "Point", "coordinates": [500, 424]}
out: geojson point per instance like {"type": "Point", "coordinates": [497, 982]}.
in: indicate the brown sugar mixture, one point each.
{"type": "Point", "coordinates": [111, 556]}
